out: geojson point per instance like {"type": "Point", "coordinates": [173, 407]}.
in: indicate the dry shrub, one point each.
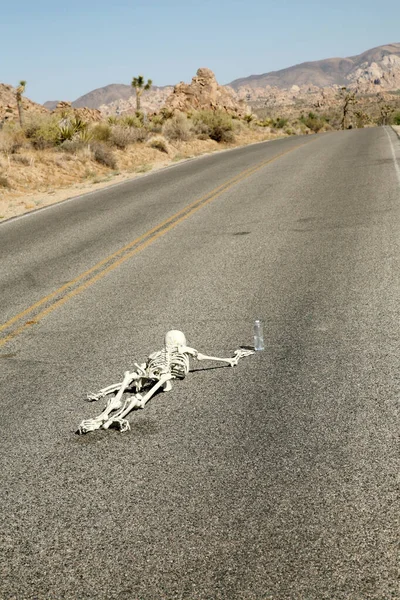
{"type": "Point", "coordinates": [216, 125]}
{"type": "Point", "coordinates": [101, 132]}
{"type": "Point", "coordinates": [313, 122]}
{"type": "Point", "coordinates": [121, 137]}
{"type": "Point", "coordinates": [159, 143]}
{"type": "Point", "coordinates": [140, 134]}
{"type": "Point", "coordinates": [166, 113]}
{"type": "Point", "coordinates": [11, 140]}
{"type": "Point", "coordinates": [42, 131]}
{"type": "Point", "coordinates": [113, 120]}
{"type": "Point", "coordinates": [6, 143]}
{"type": "Point", "coordinates": [84, 153]}
{"type": "Point", "coordinates": [154, 128]}
{"type": "Point", "coordinates": [22, 160]}
{"type": "Point", "coordinates": [103, 155]}
{"type": "Point", "coordinates": [72, 157]}
{"type": "Point", "coordinates": [72, 146]}
{"type": "Point", "coordinates": [155, 123]}
{"type": "Point", "coordinates": [132, 121]}
{"type": "Point", "coordinates": [4, 182]}
{"type": "Point", "coordinates": [178, 128]}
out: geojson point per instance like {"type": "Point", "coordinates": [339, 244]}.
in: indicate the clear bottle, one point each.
{"type": "Point", "coordinates": [258, 335]}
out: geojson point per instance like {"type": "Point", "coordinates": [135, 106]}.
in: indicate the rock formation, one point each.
{"type": "Point", "coordinates": [86, 114]}
{"type": "Point", "coordinates": [8, 104]}
{"type": "Point", "coordinates": [205, 93]}
{"type": "Point", "coordinates": [377, 76]}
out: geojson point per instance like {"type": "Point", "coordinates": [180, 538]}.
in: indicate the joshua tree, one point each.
{"type": "Point", "coordinates": [348, 98]}
{"type": "Point", "coordinates": [18, 93]}
{"type": "Point", "coordinates": [140, 86]}
{"type": "Point", "coordinates": [385, 110]}
{"type": "Point", "coordinates": [362, 118]}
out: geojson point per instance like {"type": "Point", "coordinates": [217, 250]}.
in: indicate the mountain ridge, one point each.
{"type": "Point", "coordinates": [321, 73]}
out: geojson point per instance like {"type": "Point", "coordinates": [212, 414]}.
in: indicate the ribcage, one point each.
{"type": "Point", "coordinates": [159, 363]}
{"type": "Point", "coordinates": [174, 362]}
{"type": "Point", "coordinates": [179, 365]}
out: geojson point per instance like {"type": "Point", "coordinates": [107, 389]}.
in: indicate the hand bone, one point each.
{"type": "Point", "coordinates": [240, 353]}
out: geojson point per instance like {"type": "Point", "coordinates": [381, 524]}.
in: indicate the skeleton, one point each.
{"type": "Point", "coordinates": [172, 362]}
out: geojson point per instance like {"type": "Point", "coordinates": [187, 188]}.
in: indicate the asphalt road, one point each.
{"type": "Point", "coordinates": [275, 480]}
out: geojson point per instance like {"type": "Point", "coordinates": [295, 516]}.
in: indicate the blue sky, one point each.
{"type": "Point", "coordinates": [66, 49]}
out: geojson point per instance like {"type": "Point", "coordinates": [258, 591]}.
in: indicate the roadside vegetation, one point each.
{"type": "Point", "coordinates": [348, 112]}
{"type": "Point", "coordinates": [50, 151]}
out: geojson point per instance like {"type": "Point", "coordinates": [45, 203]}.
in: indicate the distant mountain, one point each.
{"type": "Point", "coordinates": [51, 104]}
{"type": "Point", "coordinates": [106, 95]}
{"type": "Point", "coordinates": [332, 71]}
{"type": "Point", "coordinates": [95, 98]}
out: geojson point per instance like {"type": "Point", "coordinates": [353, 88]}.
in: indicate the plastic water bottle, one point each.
{"type": "Point", "coordinates": [258, 335]}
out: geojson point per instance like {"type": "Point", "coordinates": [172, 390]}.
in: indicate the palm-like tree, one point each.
{"type": "Point", "coordinates": [18, 93]}
{"type": "Point", "coordinates": [348, 98]}
{"type": "Point", "coordinates": [140, 86]}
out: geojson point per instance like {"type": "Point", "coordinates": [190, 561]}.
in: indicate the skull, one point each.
{"type": "Point", "coordinates": [175, 338]}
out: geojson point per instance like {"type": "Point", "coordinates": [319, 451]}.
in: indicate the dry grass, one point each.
{"type": "Point", "coordinates": [158, 142]}
{"type": "Point", "coordinates": [178, 128]}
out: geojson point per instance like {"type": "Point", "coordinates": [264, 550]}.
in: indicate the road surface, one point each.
{"type": "Point", "coordinates": [274, 480]}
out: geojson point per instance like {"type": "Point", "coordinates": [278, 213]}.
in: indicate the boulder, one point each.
{"type": "Point", "coordinates": [204, 92]}
{"type": "Point", "coordinates": [90, 115]}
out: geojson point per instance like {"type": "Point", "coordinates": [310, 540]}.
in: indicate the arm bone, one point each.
{"type": "Point", "coordinates": [240, 353]}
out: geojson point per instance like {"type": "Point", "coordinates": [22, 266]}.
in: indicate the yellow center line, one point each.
{"type": "Point", "coordinates": [141, 243]}
{"type": "Point", "coordinates": [114, 255]}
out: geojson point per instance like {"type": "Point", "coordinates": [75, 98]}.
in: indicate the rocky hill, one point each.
{"type": "Point", "coordinates": [8, 104]}
{"type": "Point", "coordinates": [376, 67]}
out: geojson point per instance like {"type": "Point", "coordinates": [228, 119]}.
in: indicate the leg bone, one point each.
{"type": "Point", "coordinates": [113, 388]}
{"type": "Point", "coordinates": [136, 402]}
{"type": "Point", "coordinates": [104, 392]}
{"type": "Point", "coordinates": [113, 404]}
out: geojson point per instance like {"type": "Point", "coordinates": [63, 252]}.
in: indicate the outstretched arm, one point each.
{"type": "Point", "coordinates": [240, 353]}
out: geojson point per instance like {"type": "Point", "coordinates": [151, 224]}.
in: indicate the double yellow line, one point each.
{"type": "Point", "coordinates": [101, 269]}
